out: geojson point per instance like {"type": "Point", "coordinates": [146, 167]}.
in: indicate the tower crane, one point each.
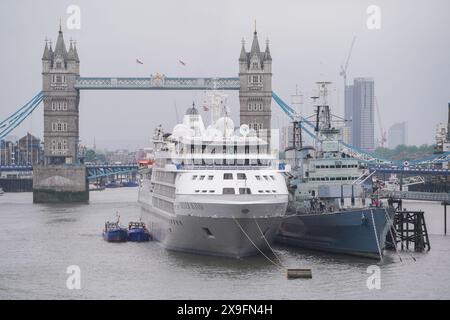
{"type": "Point", "coordinates": [343, 72]}
{"type": "Point", "coordinates": [383, 139]}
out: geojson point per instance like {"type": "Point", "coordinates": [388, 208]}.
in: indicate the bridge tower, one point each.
{"type": "Point", "coordinates": [255, 93]}
{"type": "Point", "coordinates": [60, 68]}
{"type": "Point", "coordinates": [61, 178]}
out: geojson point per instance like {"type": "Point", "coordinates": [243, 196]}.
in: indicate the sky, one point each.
{"type": "Point", "coordinates": [408, 57]}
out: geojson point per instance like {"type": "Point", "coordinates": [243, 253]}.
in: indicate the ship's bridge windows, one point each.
{"type": "Point", "coordinates": [245, 191]}
{"type": "Point", "coordinates": [241, 176]}
{"type": "Point", "coordinates": [266, 178]}
{"type": "Point", "coordinates": [202, 177]}
{"type": "Point", "coordinates": [194, 177]}
{"type": "Point", "coordinates": [210, 177]}
{"type": "Point", "coordinates": [227, 176]}
{"type": "Point", "coordinates": [228, 191]}
{"type": "Point", "coordinates": [272, 177]}
{"type": "Point", "coordinates": [258, 178]}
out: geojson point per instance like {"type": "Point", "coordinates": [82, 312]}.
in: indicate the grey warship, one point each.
{"type": "Point", "coordinates": [329, 207]}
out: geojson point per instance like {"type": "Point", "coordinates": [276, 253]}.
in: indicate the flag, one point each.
{"type": "Point", "coordinates": [184, 64]}
{"type": "Point", "coordinates": [138, 61]}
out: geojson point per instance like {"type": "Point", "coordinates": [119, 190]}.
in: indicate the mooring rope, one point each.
{"type": "Point", "coordinates": [248, 237]}
{"type": "Point", "coordinates": [396, 234]}
{"type": "Point", "coordinates": [388, 219]}
{"type": "Point", "coordinates": [267, 242]}
{"type": "Point", "coordinates": [376, 235]}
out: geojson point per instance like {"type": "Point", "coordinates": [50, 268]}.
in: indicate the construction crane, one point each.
{"type": "Point", "coordinates": [383, 139]}
{"type": "Point", "coordinates": [343, 72]}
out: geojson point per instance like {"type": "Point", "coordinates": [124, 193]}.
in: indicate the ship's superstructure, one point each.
{"type": "Point", "coordinates": [213, 190]}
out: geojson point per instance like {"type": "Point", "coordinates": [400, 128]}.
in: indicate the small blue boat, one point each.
{"type": "Point", "coordinates": [113, 232]}
{"type": "Point", "coordinates": [138, 232]}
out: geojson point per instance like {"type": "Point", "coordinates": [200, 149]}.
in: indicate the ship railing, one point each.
{"type": "Point", "coordinates": [281, 166]}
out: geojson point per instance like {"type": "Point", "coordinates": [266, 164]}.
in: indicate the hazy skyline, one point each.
{"type": "Point", "coordinates": [309, 40]}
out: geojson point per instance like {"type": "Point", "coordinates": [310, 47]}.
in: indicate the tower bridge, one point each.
{"type": "Point", "coordinates": [62, 178]}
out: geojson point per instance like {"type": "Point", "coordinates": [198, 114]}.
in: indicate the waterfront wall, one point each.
{"type": "Point", "coordinates": [16, 184]}
{"type": "Point", "coordinates": [60, 183]}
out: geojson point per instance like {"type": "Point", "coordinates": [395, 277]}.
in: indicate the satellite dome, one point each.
{"type": "Point", "coordinates": [211, 133]}
{"type": "Point", "coordinates": [225, 125]}
{"type": "Point", "coordinates": [181, 130]}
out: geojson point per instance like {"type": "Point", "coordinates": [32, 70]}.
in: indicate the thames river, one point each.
{"type": "Point", "coordinates": [39, 242]}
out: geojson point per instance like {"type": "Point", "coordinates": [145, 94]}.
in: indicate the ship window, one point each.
{"type": "Point", "coordinates": [258, 178]}
{"type": "Point", "coordinates": [197, 191]}
{"type": "Point", "coordinates": [208, 233]}
{"type": "Point", "coordinates": [194, 177]}
{"type": "Point", "coordinates": [274, 191]}
{"type": "Point", "coordinates": [228, 191]}
{"type": "Point", "coordinates": [332, 178]}
{"type": "Point", "coordinates": [344, 166]}
{"type": "Point", "coordinates": [267, 191]}
{"type": "Point", "coordinates": [202, 177]}
{"type": "Point", "coordinates": [241, 176]}
{"type": "Point", "coordinates": [260, 191]}
{"type": "Point", "coordinates": [244, 191]}
{"type": "Point", "coordinates": [266, 177]}
{"type": "Point", "coordinates": [204, 191]}
{"type": "Point", "coordinates": [227, 176]}
{"type": "Point", "coordinates": [273, 178]}
{"type": "Point", "coordinates": [210, 177]}
{"type": "Point", "coordinates": [212, 191]}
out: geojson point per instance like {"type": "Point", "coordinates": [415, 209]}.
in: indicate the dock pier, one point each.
{"type": "Point", "coordinates": [409, 229]}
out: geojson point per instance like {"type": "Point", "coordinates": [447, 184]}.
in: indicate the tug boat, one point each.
{"type": "Point", "coordinates": [138, 232]}
{"type": "Point", "coordinates": [113, 232]}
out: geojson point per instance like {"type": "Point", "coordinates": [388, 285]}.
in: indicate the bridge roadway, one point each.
{"type": "Point", "coordinates": [94, 171]}
{"type": "Point", "coordinates": [415, 195]}
{"type": "Point", "coordinates": [410, 170]}
{"type": "Point", "coordinates": [157, 82]}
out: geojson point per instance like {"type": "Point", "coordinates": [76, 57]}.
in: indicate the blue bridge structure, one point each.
{"type": "Point", "coordinates": [94, 171]}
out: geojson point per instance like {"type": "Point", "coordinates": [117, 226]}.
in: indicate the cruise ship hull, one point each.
{"type": "Point", "coordinates": [346, 232]}
{"type": "Point", "coordinates": [215, 235]}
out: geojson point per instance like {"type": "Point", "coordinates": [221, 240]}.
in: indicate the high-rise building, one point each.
{"type": "Point", "coordinates": [287, 137]}
{"type": "Point", "coordinates": [398, 135]}
{"type": "Point", "coordinates": [359, 108]}
{"type": "Point", "coordinates": [255, 94]}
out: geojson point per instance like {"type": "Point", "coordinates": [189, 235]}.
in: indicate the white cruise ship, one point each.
{"type": "Point", "coordinates": [213, 190]}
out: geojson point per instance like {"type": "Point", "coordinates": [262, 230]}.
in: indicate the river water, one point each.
{"type": "Point", "coordinates": [39, 242]}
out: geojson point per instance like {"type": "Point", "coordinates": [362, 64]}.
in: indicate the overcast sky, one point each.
{"type": "Point", "coordinates": [309, 40]}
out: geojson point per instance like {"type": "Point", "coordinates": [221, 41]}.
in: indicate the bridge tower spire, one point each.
{"type": "Point", "coordinates": [60, 68]}
{"type": "Point", "coordinates": [255, 93]}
